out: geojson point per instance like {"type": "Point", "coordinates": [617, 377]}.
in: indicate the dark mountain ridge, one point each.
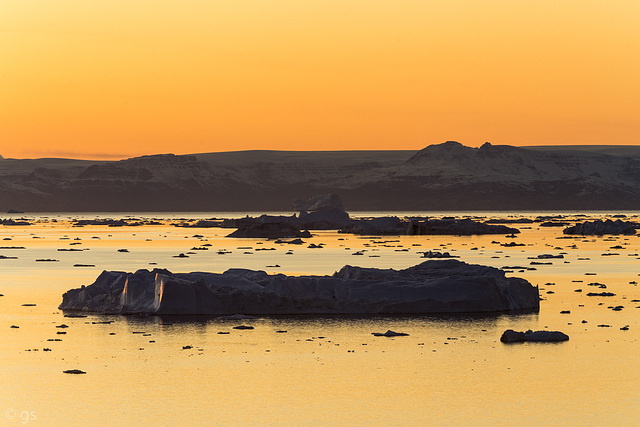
{"type": "Point", "coordinates": [448, 176]}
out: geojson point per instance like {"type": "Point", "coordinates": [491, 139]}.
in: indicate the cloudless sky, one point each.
{"type": "Point", "coordinates": [115, 78]}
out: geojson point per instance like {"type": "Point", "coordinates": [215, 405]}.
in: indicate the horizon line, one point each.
{"type": "Point", "coordinates": [105, 157]}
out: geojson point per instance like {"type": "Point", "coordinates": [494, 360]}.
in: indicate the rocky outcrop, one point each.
{"type": "Point", "coordinates": [599, 228]}
{"type": "Point", "coordinates": [439, 286]}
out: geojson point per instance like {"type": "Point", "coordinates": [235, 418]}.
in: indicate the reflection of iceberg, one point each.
{"type": "Point", "coordinates": [440, 286]}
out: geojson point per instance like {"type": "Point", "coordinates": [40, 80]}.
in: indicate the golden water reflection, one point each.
{"type": "Point", "coordinates": [322, 370]}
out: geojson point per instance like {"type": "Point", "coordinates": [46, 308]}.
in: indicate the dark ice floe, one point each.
{"type": "Point", "coordinates": [74, 371]}
{"type": "Point", "coordinates": [274, 227]}
{"type": "Point", "coordinates": [436, 254]}
{"type": "Point", "coordinates": [511, 336]}
{"type": "Point", "coordinates": [270, 227]}
{"type": "Point", "coordinates": [436, 286]}
{"type": "Point", "coordinates": [12, 222]}
{"type": "Point", "coordinates": [600, 228]}
{"type": "Point", "coordinates": [420, 226]}
{"type": "Point", "coordinates": [389, 333]}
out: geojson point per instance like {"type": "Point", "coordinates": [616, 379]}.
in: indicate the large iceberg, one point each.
{"type": "Point", "coordinates": [319, 203]}
{"type": "Point", "coordinates": [435, 286]}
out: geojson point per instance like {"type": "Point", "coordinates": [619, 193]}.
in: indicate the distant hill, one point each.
{"type": "Point", "coordinates": [446, 176]}
{"type": "Point", "coordinates": [615, 150]}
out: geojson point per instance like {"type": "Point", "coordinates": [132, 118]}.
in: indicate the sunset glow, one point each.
{"type": "Point", "coordinates": [116, 79]}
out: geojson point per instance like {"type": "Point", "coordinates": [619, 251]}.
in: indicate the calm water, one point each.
{"type": "Point", "coordinates": [323, 370]}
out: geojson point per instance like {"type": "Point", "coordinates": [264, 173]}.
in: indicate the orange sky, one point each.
{"type": "Point", "coordinates": [114, 78]}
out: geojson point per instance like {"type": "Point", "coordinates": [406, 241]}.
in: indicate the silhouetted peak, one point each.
{"type": "Point", "coordinates": [152, 156]}
{"type": "Point", "coordinates": [160, 160]}
{"type": "Point", "coordinates": [445, 147]}
{"type": "Point", "coordinates": [487, 149]}
{"type": "Point", "coordinates": [447, 151]}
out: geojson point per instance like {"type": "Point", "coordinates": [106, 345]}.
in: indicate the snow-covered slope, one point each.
{"type": "Point", "coordinates": [452, 162]}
